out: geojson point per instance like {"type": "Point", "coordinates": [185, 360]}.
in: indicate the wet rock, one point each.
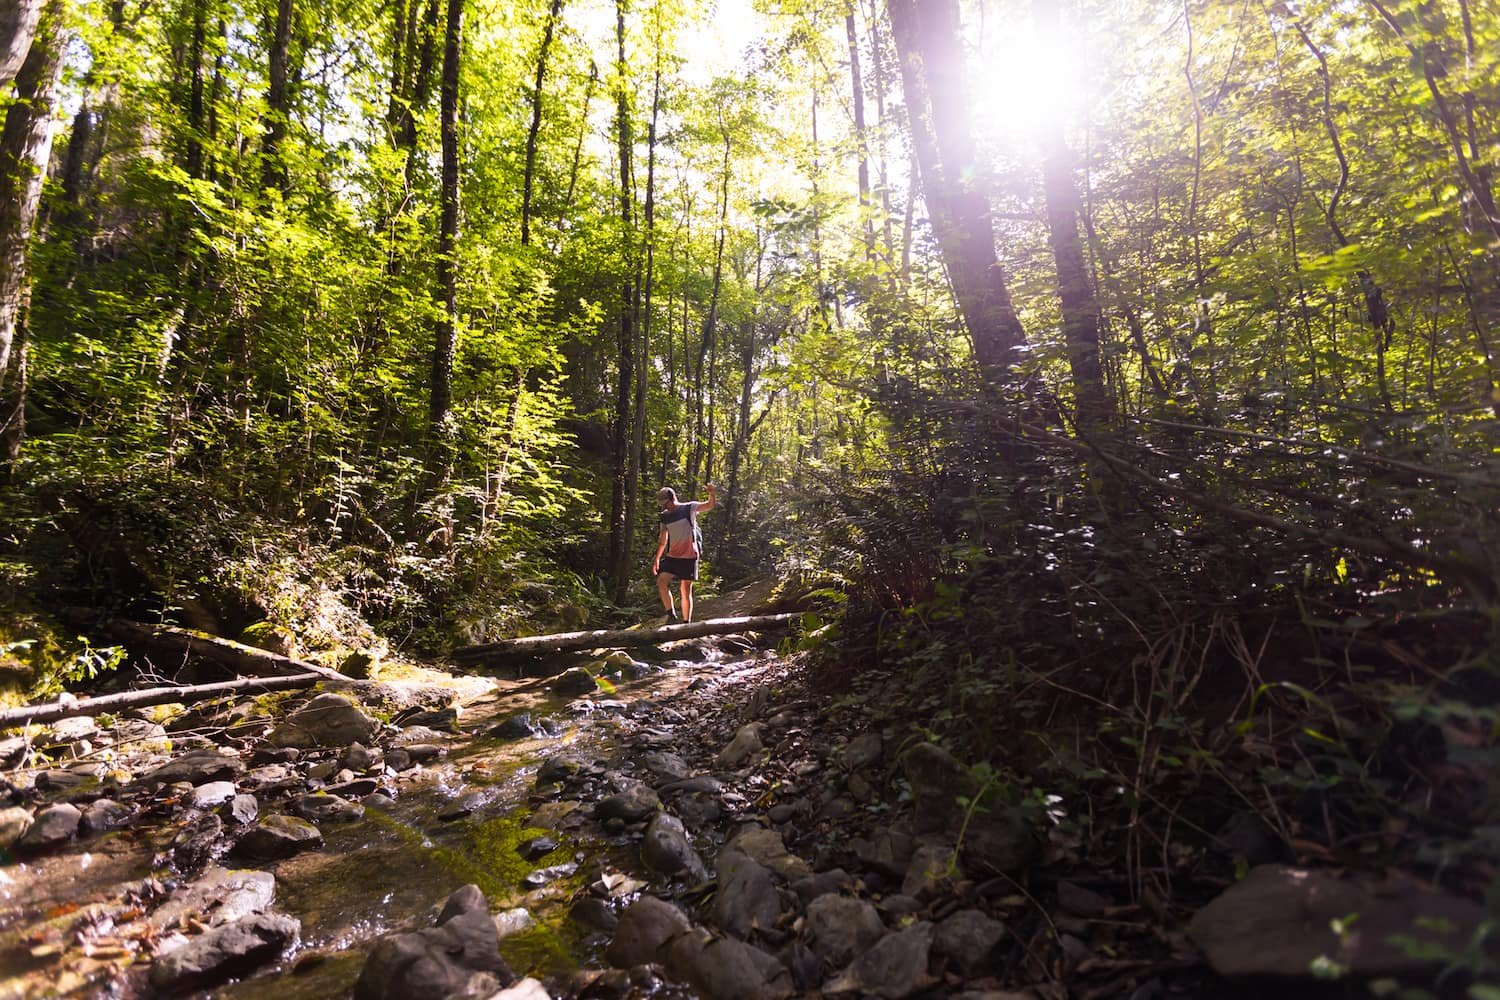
{"type": "Point", "coordinates": [746, 743]}
{"type": "Point", "coordinates": [442, 720]}
{"type": "Point", "coordinates": [322, 770]}
{"type": "Point", "coordinates": [968, 938]}
{"type": "Point", "coordinates": [51, 826]}
{"type": "Point", "coordinates": [782, 812]}
{"type": "Point", "coordinates": [272, 778]}
{"type": "Point", "coordinates": [14, 822]}
{"type": "Point", "coordinates": [667, 766]}
{"type": "Point", "coordinates": [458, 957]}
{"type": "Point", "coordinates": [1278, 921]}
{"type": "Point", "coordinates": [61, 781]}
{"type": "Point", "coordinates": [278, 837]}
{"type": "Point", "coordinates": [102, 815]}
{"type": "Point", "coordinates": [464, 805]}
{"type": "Point", "coordinates": [275, 755]}
{"type": "Point", "coordinates": [557, 768]}
{"type": "Point", "coordinates": [810, 887]}
{"type": "Point", "coordinates": [398, 760]}
{"type": "Point", "coordinates": [224, 952]}
{"type": "Point", "coordinates": [379, 800]}
{"type": "Point", "coordinates": [862, 751]}
{"type": "Point", "coordinates": [665, 848]}
{"type": "Point", "coordinates": [420, 736]}
{"type": "Point", "coordinates": [699, 811]}
{"type": "Point", "coordinates": [324, 808]}
{"type": "Point", "coordinates": [726, 969]}
{"type": "Point", "coordinates": [895, 967]}
{"type": "Point", "coordinates": [747, 898]}
{"type": "Point", "coordinates": [644, 928]}
{"type": "Point", "coordinates": [544, 876]}
{"type": "Point", "coordinates": [575, 681]}
{"type": "Point", "coordinates": [557, 815]}
{"type": "Point", "coordinates": [517, 727]}
{"type": "Point", "coordinates": [360, 758]}
{"type": "Point", "coordinates": [1080, 901]}
{"type": "Point", "coordinates": [930, 872]}
{"type": "Point", "coordinates": [196, 768]}
{"type": "Point", "coordinates": [702, 784]}
{"type": "Point", "coordinates": [937, 780]}
{"type": "Point", "coordinates": [840, 927]}
{"type": "Point", "coordinates": [356, 789]}
{"type": "Point", "coordinates": [537, 847]}
{"type": "Point", "coordinates": [241, 810]}
{"type": "Point", "coordinates": [525, 989]}
{"type": "Point", "coordinates": [421, 753]}
{"type": "Point", "coordinates": [633, 804]}
{"type": "Point", "coordinates": [516, 920]}
{"type": "Point", "coordinates": [329, 720]}
{"type": "Point", "coordinates": [198, 842]}
{"type": "Point", "coordinates": [766, 847]}
{"type": "Point", "coordinates": [220, 896]}
{"type": "Point", "coordinates": [595, 913]}
{"type": "Point", "coordinates": [212, 793]}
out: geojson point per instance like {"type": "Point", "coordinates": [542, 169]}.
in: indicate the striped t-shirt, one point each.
{"type": "Point", "coordinates": [681, 523]}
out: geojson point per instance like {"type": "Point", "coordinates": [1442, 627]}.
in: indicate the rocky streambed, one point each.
{"type": "Point", "coordinates": [695, 825]}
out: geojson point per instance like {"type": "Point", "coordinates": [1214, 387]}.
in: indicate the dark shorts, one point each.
{"type": "Point", "coordinates": [683, 569]}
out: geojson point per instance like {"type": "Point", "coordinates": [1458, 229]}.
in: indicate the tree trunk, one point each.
{"type": "Point", "coordinates": [188, 694]}
{"type": "Point", "coordinates": [18, 26]}
{"type": "Point", "coordinates": [857, 86]}
{"type": "Point", "coordinates": [619, 526]}
{"type": "Point", "coordinates": [1080, 306]}
{"type": "Point", "coordinates": [273, 170]}
{"type": "Point", "coordinates": [529, 171]}
{"type": "Point", "coordinates": [495, 653]}
{"type": "Point", "coordinates": [638, 416]}
{"type": "Point", "coordinates": [927, 42]}
{"type": "Point", "coordinates": [583, 130]}
{"type": "Point", "coordinates": [710, 325]}
{"type": "Point", "coordinates": [25, 147]}
{"type": "Point", "coordinates": [445, 331]}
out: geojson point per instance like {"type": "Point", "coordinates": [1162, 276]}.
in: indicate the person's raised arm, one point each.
{"type": "Point", "coordinates": [704, 506]}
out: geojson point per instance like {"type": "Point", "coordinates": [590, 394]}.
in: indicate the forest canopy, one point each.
{"type": "Point", "coordinates": [1090, 320]}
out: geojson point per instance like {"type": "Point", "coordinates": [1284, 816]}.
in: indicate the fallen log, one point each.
{"type": "Point", "coordinates": [169, 641]}
{"type": "Point", "coordinates": [52, 711]}
{"type": "Point", "coordinates": [542, 645]}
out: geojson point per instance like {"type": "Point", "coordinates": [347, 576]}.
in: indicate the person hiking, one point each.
{"type": "Point", "coordinates": [679, 547]}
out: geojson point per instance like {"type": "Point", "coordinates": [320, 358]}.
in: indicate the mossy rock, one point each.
{"type": "Point", "coordinates": [271, 637]}
{"type": "Point", "coordinates": [359, 664]}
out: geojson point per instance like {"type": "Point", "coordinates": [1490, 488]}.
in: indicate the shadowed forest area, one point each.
{"type": "Point", "coordinates": [1108, 386]}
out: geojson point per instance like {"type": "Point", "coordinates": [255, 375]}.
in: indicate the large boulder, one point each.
{"type": "Point", "coordinates": [220, 896]}
{"type": "Point", "coordinates": [896, 967]}
{"type": "Point", "coordinates": [53, 825]}
{"type": "Point", "coordinates": [1279, 922]}
{"type": "Point", "coordinates": [726, 969]}
{"type": "Point", "coordinates": [460, 957]}
{"type": "Point", "coordinates": [277, 837]}
{"type": "Point", "coordinates": [747, 898]}
{"type": "Point", "coordinates": [841, 927]}
{"type": "Point", "coordinates": [767, 848]}
{"type": "Point", "coordinates": [224, 952]}
{"type": "Point", "coordinates": [329, 720]}
{"type": "Point", "coordinates": [197, 767]}
{"type": "Point", "coordinates": [666, 849]}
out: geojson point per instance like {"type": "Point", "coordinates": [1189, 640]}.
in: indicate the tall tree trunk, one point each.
{"type": "Point", "coordinates": [529, 171]}
{"type": "Point", "coordinates": [273, 170]}
{"type": "Point", "coordinates": [710, 323]}
{"type": "Point", "coordinates": [619, 526]}
{"type": "Point", "coordinates": [197, 126]}
{"type": "Point", "coordinates": [1080, 306]}
{"type": "Point", "coordinates": [583, 130]}
{"type": "Point", "coordinates": [927, 42]}
{"type": "Point", "coordinates": [642, 367]}
{"type": "Point", "coordinates": [26, 146]}
{"type": "Point", "coordinates": [445, 330]}
{"type": "Point", "coordinates": [18, 26]}
{"type": "Point", "coordinates": [857, 86]}
{"type": "Point", "coordinates": [877, 56]}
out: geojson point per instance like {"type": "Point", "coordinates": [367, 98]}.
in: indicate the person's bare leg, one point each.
{"type": "Point", "coordinates": [687, 600]}
{"type": "Point", "coordinates": [664, 588]}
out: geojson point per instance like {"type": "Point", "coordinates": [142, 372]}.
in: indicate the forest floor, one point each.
{"type": "Point", "coordinates": [702, 817]}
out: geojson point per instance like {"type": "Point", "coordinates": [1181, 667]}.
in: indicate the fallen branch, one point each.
{"type": "Point", "coordinates": [52, 711]}
{"type": "Point", "coordinates": [236, 657]}
{"type": "Point", "coordinates": [541, 645]}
